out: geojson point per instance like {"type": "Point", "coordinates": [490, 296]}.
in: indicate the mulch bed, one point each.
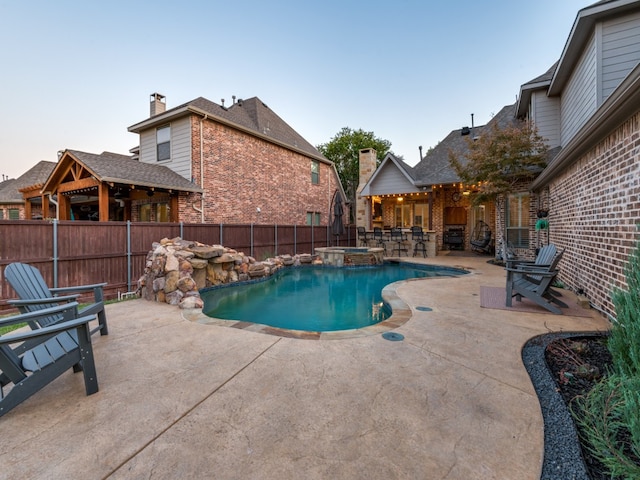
{"type": "Point", "coordinates": [577, 364]}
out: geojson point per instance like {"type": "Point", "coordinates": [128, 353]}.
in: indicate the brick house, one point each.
{"type": "Point", "coordinates": [588, 104]}
{"type": "Point", "coordinates": [587, 107]}
{"type": "Point", "coordinates": [251, 165]}
{"type": "Point", "coordinates": [430, 194]}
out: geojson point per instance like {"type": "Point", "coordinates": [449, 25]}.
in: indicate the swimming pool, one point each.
{"type": "Point", "coordinates": [318, 299]}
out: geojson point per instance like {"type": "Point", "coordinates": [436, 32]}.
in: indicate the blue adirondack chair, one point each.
{"type": "Point", "coordinates": [35, 295]}
{"type": "Point", "coordinates": [30, 360]}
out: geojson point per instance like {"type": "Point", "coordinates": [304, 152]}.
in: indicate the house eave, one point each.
{"type": "Point", "coordinates": [620, 105]}
{"type": "Point", "coordinates": [189, 110]}
{"type": "Point", "coordinates": [580, 33]}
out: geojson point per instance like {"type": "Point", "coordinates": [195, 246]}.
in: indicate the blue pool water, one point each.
{"type": "Point", "coordinates": [315, 299]}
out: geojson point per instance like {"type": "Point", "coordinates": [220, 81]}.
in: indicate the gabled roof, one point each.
{"type": "Point", "coordinates": [391, 165]}
{"type": "Point", "coordinates": [252, 116]}
{"type": "Point", "coordinates": [435, 169]}
{"type": "Point", "coordinates": [580, 34]}
{"type": "Point", "coordinates": [120, 169]}
{"type": "Point", "coordinates": [35, 176]}
{"type": "Point", "coordinates": [541, 82]}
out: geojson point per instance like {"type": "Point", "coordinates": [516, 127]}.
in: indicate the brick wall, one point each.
{"type": "Point", "coordinates": [243, 173]}
{"type": "Point", "coordinates": [594, 211]}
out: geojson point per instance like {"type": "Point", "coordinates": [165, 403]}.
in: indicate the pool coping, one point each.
{"type": "Point", "coordinates": [401, 313]}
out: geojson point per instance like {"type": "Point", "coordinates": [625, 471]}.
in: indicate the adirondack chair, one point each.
{"type": "Point", "coordinates": [35, 295]}
{"type": "Point", "coordinates": [531, 272]}
{"type": "Point", "coordinates": [536, 292]}
{"type": "Point", "coordinates": [543, 258]}
{"type": "Point", "coordinates": [30, 360]}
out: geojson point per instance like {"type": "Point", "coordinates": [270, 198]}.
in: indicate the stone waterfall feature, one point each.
{"type": "Point", "coordinates": [177, 269]}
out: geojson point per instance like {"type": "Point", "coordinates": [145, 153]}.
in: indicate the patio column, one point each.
{"type": "Point", "coordinates": [103, 202]}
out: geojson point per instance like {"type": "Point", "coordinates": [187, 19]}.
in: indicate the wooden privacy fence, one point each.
{"type": "Point", "coordinates": [82, 252]}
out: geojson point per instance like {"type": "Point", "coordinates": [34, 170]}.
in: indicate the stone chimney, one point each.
{"type": "Point", "coordinates": [367, 165]}
{"type": "Point", "coordinates": [158, 104]}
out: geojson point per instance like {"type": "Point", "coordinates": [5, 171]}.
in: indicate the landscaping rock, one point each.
{"type": "Point", "coordinates": [176, 270]}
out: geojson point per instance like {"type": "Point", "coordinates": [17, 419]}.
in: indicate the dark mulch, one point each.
{"type": "Point", "coordinates": [576, 364]}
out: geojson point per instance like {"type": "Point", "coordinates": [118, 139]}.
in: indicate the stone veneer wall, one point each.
{"type": "Point", "coordinates": [594, 210]}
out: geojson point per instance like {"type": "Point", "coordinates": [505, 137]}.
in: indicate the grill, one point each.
{"type": "Point", "coordinates": [454, 238]}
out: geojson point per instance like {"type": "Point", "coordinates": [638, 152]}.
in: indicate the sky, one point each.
{"type": "Point", "coordinates": [77, 74]}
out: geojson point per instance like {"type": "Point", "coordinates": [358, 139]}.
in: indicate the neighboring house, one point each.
{"type": "Point", "coordinates": [20, 198]}
{"type": "Point", "coordinates": [251, 165]}
{"type": "Point", "coordinates": [430, 194]}
{"type": "Point", "coordinates": [110, 186]}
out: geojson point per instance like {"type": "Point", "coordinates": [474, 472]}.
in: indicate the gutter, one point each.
{"type": "Point", "coordinates": [621, 104]}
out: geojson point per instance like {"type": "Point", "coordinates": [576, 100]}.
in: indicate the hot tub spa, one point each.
{"type": "Point", "coordinates": [350, 256]}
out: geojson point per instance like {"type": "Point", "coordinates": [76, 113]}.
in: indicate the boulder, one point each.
{"type": "Point", "coordinates": [171, 263]}
{"type": "Point", "coordinates": [206, 252]}
{"type": "Point", "coordinates": [186, 284]}
{"type": "Point", "coordinates": [198, 263]}
{"type": "Point", "coordinates": [171, 281]}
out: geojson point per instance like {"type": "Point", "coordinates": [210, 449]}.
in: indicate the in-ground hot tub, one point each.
{"type": "Point", "coordinates": [349, 256]}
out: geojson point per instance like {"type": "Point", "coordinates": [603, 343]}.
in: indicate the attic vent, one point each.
{"type": "Point", "coordinates": [465, 131]}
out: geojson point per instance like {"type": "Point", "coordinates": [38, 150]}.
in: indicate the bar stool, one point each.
{"type": "Point", "coordinates": [417, 235]}
{"type": "Point", "coordinates": [399, 238]}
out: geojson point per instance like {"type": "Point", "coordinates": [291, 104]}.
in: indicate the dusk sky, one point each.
{"type": "Point", "coordinates": [76, 74]}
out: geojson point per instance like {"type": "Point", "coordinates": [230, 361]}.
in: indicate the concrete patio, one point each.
{"type": "Point", "coordinates": [181, 399]}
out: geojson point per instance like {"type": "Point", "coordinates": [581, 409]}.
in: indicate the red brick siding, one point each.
{"type": "Point", "coordinates": [594, 212]}
{"type": "Point", "coordinates": [243, 173]}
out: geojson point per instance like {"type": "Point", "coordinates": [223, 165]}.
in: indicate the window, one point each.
{"type": "Point", "coordinates": [403, 216]}
{"type": "Point", "coordinates": [162, 212]}
{"type": "Point", "coordinates": [163, 143]}
{"type": "Point", "coordinates": [14, 214]}
{"type": "Point", "coordinates": [313, 218]}
{"type": "Point", "coordinates": [518, 220]}
{"type": "Point", "coordinates": [145, 212]}
{"type": "Point", "coordinates": [1, 214]}
{"type": "Point", "coordinates": [315, 172]}
{"type": "Point", "coordinates": [421, 215]}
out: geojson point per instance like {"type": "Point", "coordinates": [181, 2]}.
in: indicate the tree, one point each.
{"type": "Point", "coordinates": [344, 150]}
{"type": "Point", "coordinates": [499, 159]}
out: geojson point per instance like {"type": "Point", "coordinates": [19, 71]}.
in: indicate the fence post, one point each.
{"type": "Point", "coordinates": [128, 255]}
{"type": "Point", "coordinates": [251, 241]}
{"type": "Point", "coordinates": [181, 232]}
{"type": "Point", "coordinates": [55, 253]}
{"type": "Point", "coordinates": [312, 236]}
{"type": "Point", "coordinates": [221, 239]}
{"type": "Point", "coordinates": [295, 239]}
{"type": "Point", "coordinates": [276, 240]}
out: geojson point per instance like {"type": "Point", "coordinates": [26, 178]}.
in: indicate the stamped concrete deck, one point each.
{"type": "Point", "coordinates": [180, 399]}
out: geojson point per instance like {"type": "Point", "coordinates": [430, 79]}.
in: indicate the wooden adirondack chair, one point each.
{"type": "Point", "coordinates": [543, 258]}
{"type": "Point", "coordinates": [534, 284]}
{"type": "Point", "coordinates": [35, 295]}
{"type": "Point", "coordinates": [30, 360]}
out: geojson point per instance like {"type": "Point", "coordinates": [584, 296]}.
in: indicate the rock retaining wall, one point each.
{"type": "Point", "coordinates": [176, 270]}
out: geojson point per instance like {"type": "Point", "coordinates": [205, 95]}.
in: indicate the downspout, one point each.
{"type": "Point", "coordinates": [56, 204]}
{"type": "Point", "coordinates": [200, 209]}
{"type": "Point", "coordinates": [202, 168]}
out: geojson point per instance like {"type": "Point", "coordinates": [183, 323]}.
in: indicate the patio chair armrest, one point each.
{"type": "Point", "coordinates": [46, 332]}
{"type": "Point", "coordinates": [79, 288]}
{"type": "Point", "coordinates": [70, 309]}
{"type": "Point", "coordinates": [542, 273]}
{"type": "Point", "coordinates": [40, 301]}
